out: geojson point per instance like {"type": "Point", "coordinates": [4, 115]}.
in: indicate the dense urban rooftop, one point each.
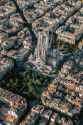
{"type": "Point", "coordinates": [41, 62]}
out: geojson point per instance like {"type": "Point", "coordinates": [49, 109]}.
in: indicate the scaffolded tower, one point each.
{"type": "Point", "coordinates": [44, 43]}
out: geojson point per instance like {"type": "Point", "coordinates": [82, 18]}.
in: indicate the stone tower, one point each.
{"type": "Point", "coordinates": [44, 43]}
